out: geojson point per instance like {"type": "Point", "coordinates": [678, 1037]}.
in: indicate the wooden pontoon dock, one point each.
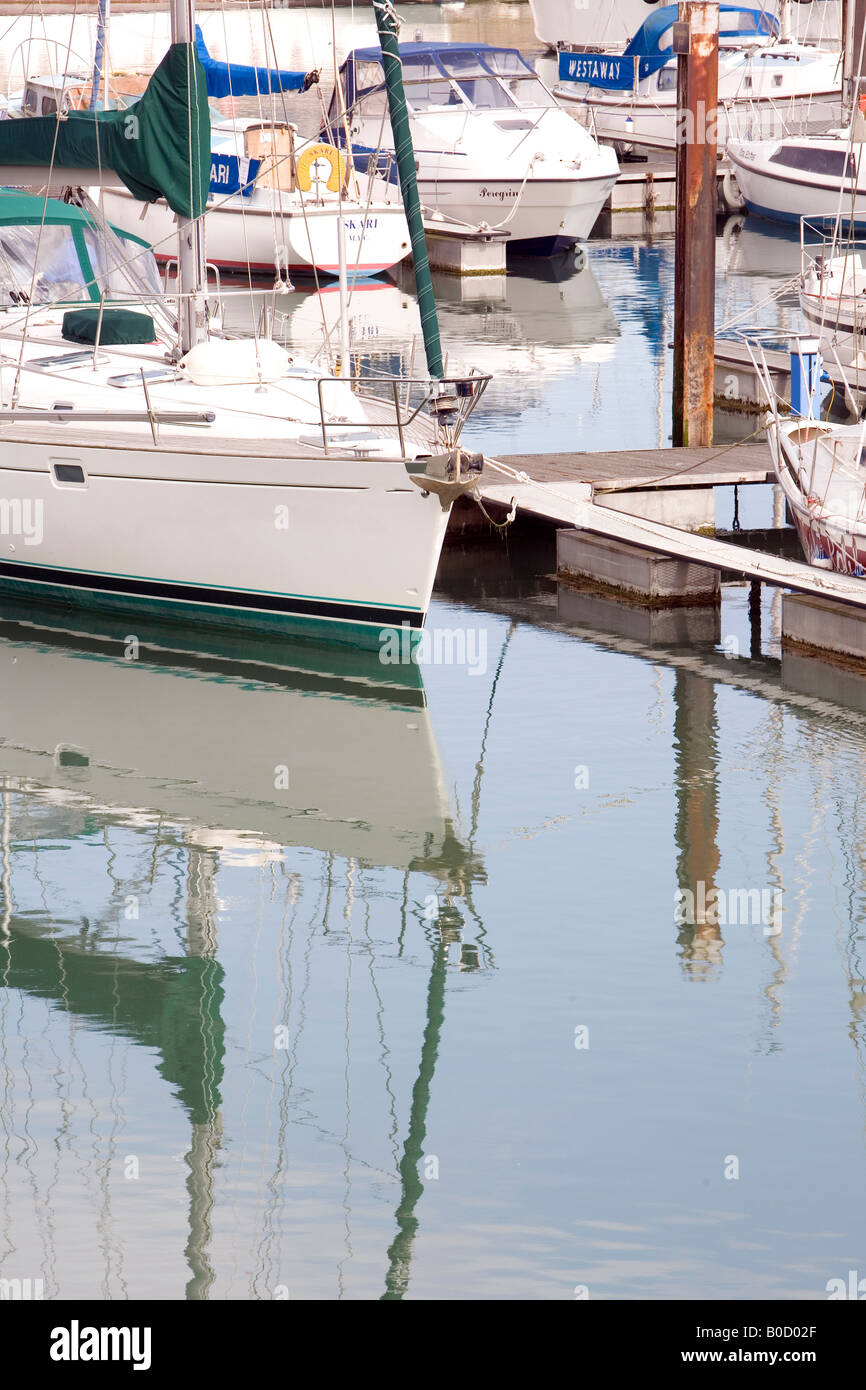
{"type": "Point", "coordinates": [606, 508]}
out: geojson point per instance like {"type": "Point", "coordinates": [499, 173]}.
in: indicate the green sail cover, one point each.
{"type": "Point", "coordinates": [160, 147]}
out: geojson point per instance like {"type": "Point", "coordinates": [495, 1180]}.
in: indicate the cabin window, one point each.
{"type": "Point", "coordinates": [368, 75]}
{"type": "Point", "coordinates": [110, 254]}
{"type": "Point", "coordinates": [667, 80]}
{"type": "Point", "coordinates": [56, 278]}
{"type": "Point", "coordinates": [777, 79]}
{"type": "Point", "coordinates": [49, 106]}
{"type": "Point", "coordinates": [31, 101]}
{"type": "Point", "coordinates": [815, 160]}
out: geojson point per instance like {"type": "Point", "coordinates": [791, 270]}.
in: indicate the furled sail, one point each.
{"type": "Point", "coordinates": [159, 148]}
{"type": "Point", "coordinates": [237, 80]}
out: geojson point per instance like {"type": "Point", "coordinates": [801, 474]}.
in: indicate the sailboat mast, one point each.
{"type": "Point", "coordinates": [192, 328]}
{"type": "Point", "coordinates": [386, 23]}
{"type": "Point", "coordinates": [99, 57]}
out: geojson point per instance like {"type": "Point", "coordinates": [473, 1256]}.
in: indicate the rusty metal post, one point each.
{"type": "Point", "coordinates": [854, 61]}
{"type": "Point", "coordinates": [696, 40]}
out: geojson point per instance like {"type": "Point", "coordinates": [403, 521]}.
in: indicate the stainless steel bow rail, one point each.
{"type": "Point", "coordinates": [452, 408]}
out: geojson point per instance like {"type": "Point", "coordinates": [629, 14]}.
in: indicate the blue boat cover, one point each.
{"type": "Point", "coordinates": [238, 80]}
{"type": "Point", "coordinates": [430, 59]}
{"type": "Point", "coordinates": [646, 43]}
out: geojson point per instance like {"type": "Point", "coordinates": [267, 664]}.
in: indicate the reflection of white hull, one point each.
{"type": "Point", "coordinates": [512, 325]}
{"type": "Point", "coordinates": [200, 747]}
{"type": "Point", "coordinates": [272, 231]}
{"type": "Point", "coordinates": [754, 248]}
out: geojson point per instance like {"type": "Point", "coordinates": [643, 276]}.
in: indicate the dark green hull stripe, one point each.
{"type": "Point", "coordinates": [235, 601]}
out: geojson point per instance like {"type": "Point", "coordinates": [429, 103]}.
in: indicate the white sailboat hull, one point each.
{"type": "Point", "coordinates": [652, 123]}
{"type": "Point", "coordinates": [268, 234]}
{"type": "Point", "coordinates": [238, 539]}
{"type": "Point", "coordinates": [241, 541]}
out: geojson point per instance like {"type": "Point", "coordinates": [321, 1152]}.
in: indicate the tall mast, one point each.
{"type": "Point", "coordinates": [386, 23]}
{"type": "Point", "coordinates": [99, 57]}
{"type": "Point", "coordinates": [192, 328]}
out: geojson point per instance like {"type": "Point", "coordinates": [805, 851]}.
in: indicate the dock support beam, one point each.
{"type": "Point", "coordinates": [696, 40]}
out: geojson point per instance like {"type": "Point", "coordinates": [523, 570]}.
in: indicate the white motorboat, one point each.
{"type": "Point", "coordinates": [820, 177]}
{"type": "Point", "coordinates": [768, 82]}
{"type": "Point", "coordinates": [149, 465]}
{"type": "Point", "coordinates": [492, 144]}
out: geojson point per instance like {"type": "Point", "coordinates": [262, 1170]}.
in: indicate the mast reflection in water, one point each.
{"type": "Point", "coordinates": [137, 796]}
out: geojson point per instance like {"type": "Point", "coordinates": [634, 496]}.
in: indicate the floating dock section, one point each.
{"type": "Point", "coordinates": [608, 543]}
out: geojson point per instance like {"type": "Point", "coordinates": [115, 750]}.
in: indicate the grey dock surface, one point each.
{"type": "Point", "coordinates": [636, 469]}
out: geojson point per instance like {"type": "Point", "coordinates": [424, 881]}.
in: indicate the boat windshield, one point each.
{"type": "Point", "coordinates": [485, 93]}
{"type": "Point", "coordinates": [486, 79]}
{"type": "Point", "coordinates": [426, 96]}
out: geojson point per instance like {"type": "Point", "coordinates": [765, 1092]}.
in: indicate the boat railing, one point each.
{"type": "Point", "coordinates": [774, 118]}
{"type": "Point", "coordinates": [450, 401]}
{"type": "Point", "coordinates": [585, 116]}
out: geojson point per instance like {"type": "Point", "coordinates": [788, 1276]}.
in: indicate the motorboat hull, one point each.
{"type": "Point", "coordinates": [780, 194]}
{"type": "Point", "coordinates": [541, 216]}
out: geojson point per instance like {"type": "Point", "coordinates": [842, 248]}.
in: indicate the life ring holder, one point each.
{"type": "Point", "coordinates": [303, 168]}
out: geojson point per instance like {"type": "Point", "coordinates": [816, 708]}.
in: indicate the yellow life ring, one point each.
{"type": "Point", "coordinates": [308, 159]}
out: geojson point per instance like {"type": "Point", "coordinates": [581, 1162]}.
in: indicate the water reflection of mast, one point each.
{"type": "Point", "coordinates": [697, 820]}
{"type": "Point", "coordinates": [171, 1004]}
{"type": "Point", "coordinates": [462, 867]}
{"type": "Point", "coordinates": [205, 1118]}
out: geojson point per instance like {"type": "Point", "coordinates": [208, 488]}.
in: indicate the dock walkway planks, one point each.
{"type": "Point", "coordinates": [559, 494]}
{"type": "Point", "coordinates": [635, 469]}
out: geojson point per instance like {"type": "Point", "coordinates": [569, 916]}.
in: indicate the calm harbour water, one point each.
{"type": "Point", "coordinates": [322, 985]}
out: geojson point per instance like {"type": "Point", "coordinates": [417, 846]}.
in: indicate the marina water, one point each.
{"type": "Point", "coordinates": [534, 972]}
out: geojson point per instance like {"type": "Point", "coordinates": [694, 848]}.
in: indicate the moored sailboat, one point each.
{"type": "Point", "coordinates": [178, 472]}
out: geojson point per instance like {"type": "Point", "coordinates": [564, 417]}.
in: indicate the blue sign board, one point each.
{"type": "Point", "coordinates": [615, 72]}
{"type": "Point", "coordinates": [231, 174]}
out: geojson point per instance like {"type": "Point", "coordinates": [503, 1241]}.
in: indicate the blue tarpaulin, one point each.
{"type": "Point", "coordinates": [238, 80]}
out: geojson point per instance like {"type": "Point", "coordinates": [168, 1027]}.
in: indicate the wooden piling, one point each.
{"type": "Point", "coordinates": [696, 39]}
